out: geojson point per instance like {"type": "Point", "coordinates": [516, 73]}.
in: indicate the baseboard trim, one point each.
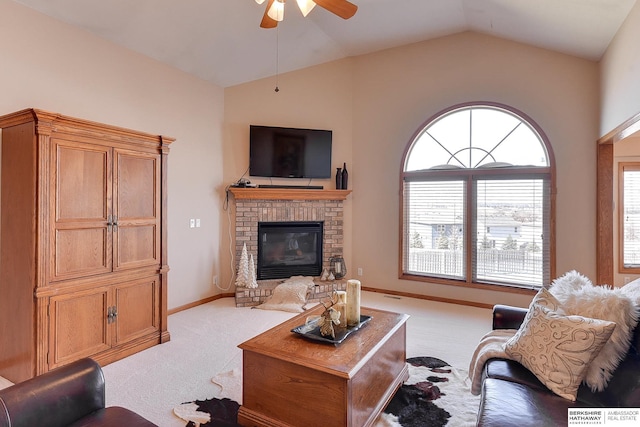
{"type": "Point", "coordinates": [364, 288]}
{"type": "Point", "coordinates": [429, 298]}
{"type": "Point", "coordinates": [197, 303]}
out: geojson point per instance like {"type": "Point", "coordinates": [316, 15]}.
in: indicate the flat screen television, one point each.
{"type": "Point", "coordinates": [278, 152]}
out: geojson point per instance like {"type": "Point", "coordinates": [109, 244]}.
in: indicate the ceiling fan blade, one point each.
{"type": "Point", "coordinates": [342, 8]}
{"type": "Point", "coordinates": [267, 21]}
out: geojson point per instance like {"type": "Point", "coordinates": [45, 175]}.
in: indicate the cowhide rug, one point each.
{"type": "Point", "coordinates": [435, 395]}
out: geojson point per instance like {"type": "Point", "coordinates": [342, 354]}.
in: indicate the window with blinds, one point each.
{"type": "Point", "coordinates": [477, 200]}
{"type": "Point", "coordinates": [629, 221]}
{"type": "Point", "coordinates": [435, 226]}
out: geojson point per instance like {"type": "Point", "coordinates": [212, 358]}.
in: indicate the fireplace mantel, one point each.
{"type": "Point", "coordinates": [287, 194]}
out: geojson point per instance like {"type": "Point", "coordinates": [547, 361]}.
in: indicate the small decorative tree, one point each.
{"type": "Point", "coordinates": [253, 283]}
{"type": "Point", "coordinates": [242, 278]}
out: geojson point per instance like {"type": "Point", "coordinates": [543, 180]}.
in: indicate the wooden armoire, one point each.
{"type": "Point", "coordinates": [83, 242]}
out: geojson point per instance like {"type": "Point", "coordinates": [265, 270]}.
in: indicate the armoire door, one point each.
{"type": "Point", "coordinates": [78, 325]}
{"type": "Point", "coordinates": [137, 309]}
{"type": "Point", "coordinates": [81, 210]}
{"type": "Point", "coordinates": [136, 209]}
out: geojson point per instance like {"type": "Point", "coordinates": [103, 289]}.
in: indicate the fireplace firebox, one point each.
{"type": "Point", "coordinates": [291, 248]}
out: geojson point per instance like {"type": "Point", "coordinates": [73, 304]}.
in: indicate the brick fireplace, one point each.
{"type": "Point", "coordinates": [255, 205]}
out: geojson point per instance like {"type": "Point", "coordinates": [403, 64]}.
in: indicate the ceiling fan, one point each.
{"type": "Point", "coordinates": [274, 11]}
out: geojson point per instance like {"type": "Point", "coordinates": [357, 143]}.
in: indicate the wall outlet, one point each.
{"type": "Point", "coordinates": [197, 222]}
{"type": "Point", "coordinates": [192, 223]}
{"type": "Point", "coordinates": [359, 271]}
{"type": "Point", "coordinates": [215, 279]}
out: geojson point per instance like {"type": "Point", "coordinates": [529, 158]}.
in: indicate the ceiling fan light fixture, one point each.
{"type": "Point", "coordinates": [276, 11]}
{"type": "Point", "coordinates": [305, 6]}
{"type": "Point", "coordinates": [259, 1]}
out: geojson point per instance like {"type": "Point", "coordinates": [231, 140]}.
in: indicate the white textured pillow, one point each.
{"type": "Point", "coordinates": [555, 347]}
{"type": "Point", "coordinates": [290, 297]}
{"type": "Point", "coordinates": [568, 284]}
{"type": "Point", "coordinates": [632, 290]}
{"type": "Point", "coordinates": [605, 303]}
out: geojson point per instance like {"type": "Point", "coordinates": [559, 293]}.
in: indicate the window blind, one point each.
{"type": "Point", "coordinates": [510, 231]}
{"type": "Point", "coordinates": [434, 228]}
{"type": "Point", "coordinates": [630, 218]}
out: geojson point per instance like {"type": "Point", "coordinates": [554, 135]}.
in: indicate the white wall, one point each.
{"type": "Point", "coordinates": [387, 96]}
{"type": "Point", "coordinates": [373, 103]}
{"type": "Point", "coordinates": [620, 101]}
{"type": "Point", "coordinates": [620, 68]}
{"type": "Point", "coordinates": [52, 66]}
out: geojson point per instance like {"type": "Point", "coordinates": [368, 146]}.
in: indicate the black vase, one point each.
{"type": "Point", "coordinates": [345, 177]}
{"type": "Point", "coordinates": [338, 179]}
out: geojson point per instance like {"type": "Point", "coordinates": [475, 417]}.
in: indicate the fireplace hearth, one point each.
{"type": "Point", "coordinates": [289, 248]}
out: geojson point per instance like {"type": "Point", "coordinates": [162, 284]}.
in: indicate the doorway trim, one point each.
{"type": "Point", "coordinates": [605, 198]}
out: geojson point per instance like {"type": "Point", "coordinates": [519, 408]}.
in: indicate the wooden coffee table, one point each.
{"type": "Point", "coordinates": [289, 380]}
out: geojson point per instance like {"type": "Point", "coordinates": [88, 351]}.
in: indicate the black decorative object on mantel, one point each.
{"type": "Point", "coordinates": [338, 178]}
{"type": "Point", "coordinates": [345, 177]}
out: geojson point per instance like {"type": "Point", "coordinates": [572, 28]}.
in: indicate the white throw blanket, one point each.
{"type": "Point", "coordinates": [490, 346]}
{"type": "Point", "coordinates": [290, 295]}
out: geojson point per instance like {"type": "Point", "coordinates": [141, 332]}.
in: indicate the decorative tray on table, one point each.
{"type": "Point", "coordinates": [311, 331]}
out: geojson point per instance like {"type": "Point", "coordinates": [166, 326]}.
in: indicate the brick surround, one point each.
{"type": "Point", "coordinates": [246, 297]}
{"type": "Point", "coordinates": [251, 209]}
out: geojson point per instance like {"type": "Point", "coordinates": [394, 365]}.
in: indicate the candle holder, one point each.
{"type": "Point", "coordinates": [337, 267]}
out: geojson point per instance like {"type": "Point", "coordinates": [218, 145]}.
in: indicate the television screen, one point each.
{"type": "Point", "coordinates": [289, 153]}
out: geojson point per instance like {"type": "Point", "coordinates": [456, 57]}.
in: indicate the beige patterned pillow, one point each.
{"type": "Point", "coordinates": [604, 303]}
{"type": "Point", "coordinates": [555, 347]}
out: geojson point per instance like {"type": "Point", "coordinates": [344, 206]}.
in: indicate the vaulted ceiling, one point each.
{"type": "Point", "coordinates": [221, 41]}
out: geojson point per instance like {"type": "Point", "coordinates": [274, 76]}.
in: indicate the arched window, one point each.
{"type": "Point", "coordinates": [477, 199]}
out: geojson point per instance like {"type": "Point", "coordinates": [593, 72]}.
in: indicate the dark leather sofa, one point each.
{"type": "Point", "coordinates": [513, 396]}
{"type": "Point", "coordinates": [72, 395]}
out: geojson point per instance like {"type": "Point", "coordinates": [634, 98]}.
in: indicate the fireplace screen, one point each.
{"type": "Point", "coordinates": [288, 249]}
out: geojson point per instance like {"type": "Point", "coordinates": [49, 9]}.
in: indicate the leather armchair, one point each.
{"type": "Point", "coordinates": [72, 395]}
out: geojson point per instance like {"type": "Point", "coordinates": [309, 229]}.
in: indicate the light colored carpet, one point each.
{"type": "Point", "coordinates": [204, 343]}
{"type": "Point", "coordinates": [4, 383]}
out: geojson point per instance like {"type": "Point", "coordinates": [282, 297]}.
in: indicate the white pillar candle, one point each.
{"type": "Point", "coordinates": [353, 302]}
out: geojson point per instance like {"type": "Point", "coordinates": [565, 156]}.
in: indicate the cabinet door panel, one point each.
{"type": "Point", "coordinates": [81, 241]}
{"type": "Point", "coordinates": [78, 326]}
{"type": "Point", "coordinates": [81, 252]}
{"type": "Point", "coordinates": [82, 173]}
{"type": "Point", "coordinates": [137, 176]}
{"type": "Point", "coordinates": [137, 245]}
{"type": "Point", "coordinates": [137, 207]}
{"type": "Point", "coordinates": [137, 305]}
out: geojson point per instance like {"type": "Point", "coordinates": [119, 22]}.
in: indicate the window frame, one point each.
{"type": "Point", "coordinates": [470, 201]}
{"type": "Point", "coordinates": [635, 166]}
